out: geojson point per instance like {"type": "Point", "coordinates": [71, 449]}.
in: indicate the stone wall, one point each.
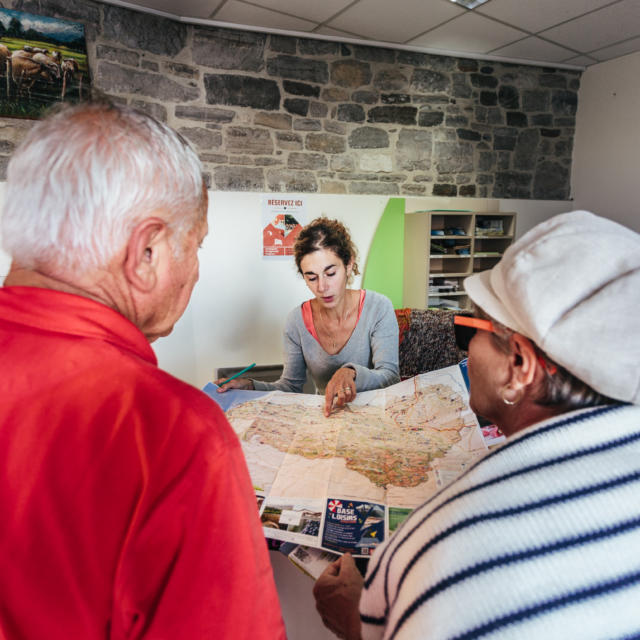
{"type": "Point", "coordinates": [276, 113]}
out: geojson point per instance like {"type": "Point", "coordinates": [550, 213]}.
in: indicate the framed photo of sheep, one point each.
{"type": "Point", "coordinates": [42, 61]}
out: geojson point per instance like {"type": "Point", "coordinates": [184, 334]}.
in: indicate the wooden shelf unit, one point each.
{"type": "Point", "coordinates": [471, 241]}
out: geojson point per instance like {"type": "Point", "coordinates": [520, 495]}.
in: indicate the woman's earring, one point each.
{"type": "Point", "coordinates": [509, 402]}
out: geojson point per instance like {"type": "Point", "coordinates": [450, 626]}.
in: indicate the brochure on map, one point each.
{"type": "Point", "coordinates": [345, 482]}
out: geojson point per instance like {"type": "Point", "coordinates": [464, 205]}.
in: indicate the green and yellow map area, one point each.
{"type": "Point", "coordinates": [395, 446]}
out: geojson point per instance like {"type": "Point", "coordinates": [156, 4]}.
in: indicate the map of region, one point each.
{"type": "Point", "coordinates": [392, 447]}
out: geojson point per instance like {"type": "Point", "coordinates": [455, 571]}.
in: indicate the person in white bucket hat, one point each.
{"type": "Point", "coordinates": [541, 537]}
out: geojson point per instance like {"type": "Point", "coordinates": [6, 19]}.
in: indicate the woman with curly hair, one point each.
{"type": "Point", "coordinates": [346, 338]}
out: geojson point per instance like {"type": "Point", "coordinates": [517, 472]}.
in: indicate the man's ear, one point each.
{"type": "Point", "coordinates": [147, 243]}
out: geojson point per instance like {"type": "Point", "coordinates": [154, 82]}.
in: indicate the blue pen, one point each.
{"type": "Point", "coordinates": [235, 375]}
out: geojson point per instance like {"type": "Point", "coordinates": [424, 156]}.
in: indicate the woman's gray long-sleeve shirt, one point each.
{"type": "Point", "coordinates": [372, 350]}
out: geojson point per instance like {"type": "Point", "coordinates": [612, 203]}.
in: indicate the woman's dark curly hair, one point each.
{"type": "Point", "coordinates": [324, 233]}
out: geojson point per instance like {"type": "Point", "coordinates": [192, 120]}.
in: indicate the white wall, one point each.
{"type": "Point", "coordinates": [238, 307]}
{"type": "Point", "coordinates": [606, 154]}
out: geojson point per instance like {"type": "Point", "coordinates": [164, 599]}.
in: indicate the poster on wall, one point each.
{"type": "Point", "coordinates": [282, 220]}
{"type": "Point", "coordinates": [42, 61]}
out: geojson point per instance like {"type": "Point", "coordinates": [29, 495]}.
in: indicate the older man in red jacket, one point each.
{"type": "Point", "coordinates": [127, 510]}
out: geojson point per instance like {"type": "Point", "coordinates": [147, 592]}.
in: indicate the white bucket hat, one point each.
{"type": "Point", "coordinates": [572, 285]}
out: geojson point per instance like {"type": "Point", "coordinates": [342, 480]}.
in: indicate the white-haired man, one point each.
{"type": "Point", "coordinates": [127, 508]}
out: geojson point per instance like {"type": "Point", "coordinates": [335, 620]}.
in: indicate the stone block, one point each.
{"type": "Point", "coordinates": [541, 120]}
{"type": "Point", "coordinates": [413, 189]}
{"type": "Point", "coordinates": [460, 87]}
{"type": "Point", "coordinates": [318, 110]}
{"type": "Point", "coordinates": [495, 115]}
{"type": "Point", "coordinates": [365, 97]}
{"type": "Point", "coordinates": [291, 181]}
{"type": "Point", "coordinates": [332, 126]}
{"type": "Point", "coordinates": [350, 73]}
{"type": "Point", "coordinates": [155, 110]}
{"type": "Point", "coordinates": [535, 100]}
{"type": "Point", "coordinates": [202, 138]}
{"type": "Point", "coordinates": [446, 190]}
{"type": "Point", "coordinates": [374, 54]}
{"type": "Point", "coordinates": [311, 161]}
{"type": "Point", "coordinates": [373, 188]}
{"type": "Point", "coordinates": [114, 54]}
{"type": "Point", "coordinates": [430, 99]}
{"type": "Point", "coordinates": [273, 120]}
{"type": "Point", "coordinates": [393, 114]}
{"type": "Point", "coordinates": [422, 178]}
{"type": "Point", "coordinates": [242, 91]}
{"type": "Point", "coordinates": [413, 150]}
{"type": "Point", "coordinates": [564, 148]}
{"type": "Point", "coordinates": [426, 80]}
{"type": "Point", "coordinates": [391, 80]}
{"type": "Point", "coordinates": [182, 70]}
{"type": "Point", "coordinates": [396, 177]}
{"type": "Point", "coordinates": [325, 142]}
{"type": "Point", "coordinates": [488, 98]}
{"type": "Point", "coordinates": [481, 81]}
{"type": "Point", "coordinates": [504, 140]}
{"type": "Point", "coordinates": [289, 141]}
{"type": "Point", "coordinates": [214, 158]}
{"type": "Point", "coordinates": [78, 10]}
{"type": "Point", "coordinates": [301, 89]}
{"type": "Point", "coordinates": [282, 44]}
{"type": "Point", "coordinates": [368, 138]}
{"type": "Point", "coordinates": [239, 179]}
{"type": "Point", "coordinates": [343, 163]}
{"type": "Point", "coordinates": [375, 162]}
{"type": "Point", "coordinates": [522, 78]}
{"type": "Point", "coordinates": [456, 121]}
{"type": "Point", "coordinates": [509, 97]}
{"type": "Point", "coordinates": [295, 68]}
{"type": "Point", "coordinates": [350, 113]}
{"type": "Point", "coordinates": [429, 118]}
{"type": "Point", "coordinates": [146, 31]}
{"type": "Point", "coordinates": [486, 161]}
{"type": "Point", "coordinates": [335, 95]}
{"type": "Point", "coordinates": [395, 98]}
{"type": "Point", "coordinates": [113, 78]}
{"type": "Point", "coordinates": [267, 161]}
{"type": "Point", "coordinates": [468, 134]}
{"type": "Point", "coordinates": [467, 65]}
{"type": "Point", "coordinates": [453, 157]}
{"type": "Point", "coordinates": [307, 124]}
{"type": "Point", "coordinates": [311, 47]}
{"type": "Point", "coordinates": [526, 150]}
{"type": "Point", "coordinates": [331, 186]}
{"type": "Point", "coordinates": [516, 119]}
{"type": "Point", "coordinates": [551, 181]}
{"type": "Point", "coordinates": [550, 133]}
{"type": "Point", "coordinates": [564, 103]}
{"type": "Point", "coordinates": [467, 190]}
{"type": "Point", "coordinates": [248, 140]}
{"type": "Point", "coordinates": [552, 81]}
{"type": "Point", "coordinates": [484, 178]}
{"type": "Point", "coordinates": [297, 106]}
{"type": "Point", "coordinates": [512, 184]}
{"type": "Point", "coordinates": [229, 49]}
{"type": "Point", "coordinates": [205, 114]}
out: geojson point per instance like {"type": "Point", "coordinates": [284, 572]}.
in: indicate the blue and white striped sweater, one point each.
{"type": "Point", "coordinates": [539, 539]}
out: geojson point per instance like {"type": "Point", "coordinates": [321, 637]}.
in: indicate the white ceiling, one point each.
{"type": "Point", "coordinates": [559, 32]}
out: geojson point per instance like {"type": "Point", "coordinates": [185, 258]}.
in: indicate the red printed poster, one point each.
{"type": "Point", "coordinates": [282, 220]}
